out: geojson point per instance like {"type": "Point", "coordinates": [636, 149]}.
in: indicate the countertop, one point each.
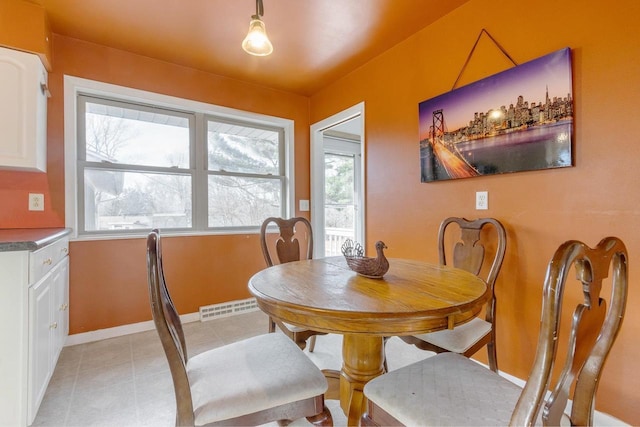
{"type": "Point", "coordinates": [29, 239]}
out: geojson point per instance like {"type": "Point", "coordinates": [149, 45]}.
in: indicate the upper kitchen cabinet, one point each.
{"type": "Point", "coordinates": [23, 111]}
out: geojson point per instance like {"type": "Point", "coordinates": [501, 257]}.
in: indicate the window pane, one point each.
{"type": "Point", "coordinates": [341, 217]}
{"type": "Point", "coordinates": [239, 201]}
{"type": "Point", "coordinates": [124, 135]}
{"type": "Point", "coordinates": [121, 200]}
{"type": "Point", "coordinates": [339, 177]}
{"type": "Point", "coordinates": [339, 208]}
{"type": "Point", "coordinates": [238, 148]}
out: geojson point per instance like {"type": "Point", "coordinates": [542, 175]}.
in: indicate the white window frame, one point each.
{"type": "Point", "coordinates": [73, 86]}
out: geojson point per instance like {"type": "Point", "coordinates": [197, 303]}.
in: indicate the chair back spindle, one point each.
{"type": "Point", "coordinates": [287, 245]}
{"type": "Point", "coordinates": [469, 251]}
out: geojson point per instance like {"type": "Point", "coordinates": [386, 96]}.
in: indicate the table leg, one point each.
{"type": "Point", "coordinates": [363, 358]}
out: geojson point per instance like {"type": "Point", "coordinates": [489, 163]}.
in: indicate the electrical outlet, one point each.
{"type": "Point", "coordinates": [482, 200]}
{"type": "Point", "coordinates": [36, 202]}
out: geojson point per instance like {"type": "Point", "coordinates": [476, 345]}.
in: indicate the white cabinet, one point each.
{"type": "Point", "coordinates": [34, 324]}
{"type": "Point", "coordinates": [48, 329]}
{"type": "Point", "coordinates": [23, 111]}
{"type": "Point", "coordinates": [40, 341]}
{"type": "Point", "coordinates": [60, 307]}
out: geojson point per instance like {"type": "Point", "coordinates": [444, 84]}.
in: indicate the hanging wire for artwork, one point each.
{"type": "Point", "coordinates": [483, 31]}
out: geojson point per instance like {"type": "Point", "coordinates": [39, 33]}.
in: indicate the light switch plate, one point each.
{"type": "Point", "coordinates": [482, 200]}
{"type": "Point", "coordinates": [304, 205]}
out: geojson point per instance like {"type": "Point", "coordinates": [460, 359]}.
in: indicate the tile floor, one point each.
{"type": "Point", "coordinates": [125, 381]}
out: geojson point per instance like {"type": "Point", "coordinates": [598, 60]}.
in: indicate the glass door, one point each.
{"type": "Point", "coordinates": [340, 201]}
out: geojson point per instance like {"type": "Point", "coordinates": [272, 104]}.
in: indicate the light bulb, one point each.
{"type": "Point", "coordinates": [257, 43]}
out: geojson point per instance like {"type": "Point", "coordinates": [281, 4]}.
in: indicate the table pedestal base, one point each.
{"type": "Point", "coordinates": [363, 359]}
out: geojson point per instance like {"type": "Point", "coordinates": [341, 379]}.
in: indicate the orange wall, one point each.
{"type": "Point", "coordinates": [541, 209]}
{"type": "Point", "coordinates": [109, 278]}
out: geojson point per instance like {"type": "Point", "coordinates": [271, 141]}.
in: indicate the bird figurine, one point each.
{"type": "Point", "coordinates": [373, 268]}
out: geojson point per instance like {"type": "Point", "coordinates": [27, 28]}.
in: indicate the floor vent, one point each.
{"type": "Point", "coordinates": [225, 309]}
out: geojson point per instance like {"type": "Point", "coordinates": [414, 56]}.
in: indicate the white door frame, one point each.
{"type": "Point", "coordinates": [317, 175]}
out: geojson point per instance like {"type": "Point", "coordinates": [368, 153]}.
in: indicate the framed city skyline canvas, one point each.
{"type": "Point", "coordinates": [520, 119]}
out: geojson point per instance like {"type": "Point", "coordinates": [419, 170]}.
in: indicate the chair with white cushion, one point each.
{"type": "Point", "coordinates": [255, 381]}
{"type": "Point", "coordinates": [450, 389]}
{"type": "Point", "coordinates": [468, 253]}
{"type": "Point", "coordinates": [287, 247]}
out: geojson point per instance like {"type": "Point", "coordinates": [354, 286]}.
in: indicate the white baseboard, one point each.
{"type": "Point", "coordinates": [118, 331]}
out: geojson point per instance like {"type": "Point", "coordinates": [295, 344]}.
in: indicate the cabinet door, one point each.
{"type": "Point", "coordinates": [23, 111]}
{"type": "Point", "coordinates": [40, 341]}
{"type": "Point", "coordinates": [48, 330]}
{"type": "Point", "coordinates": [60, 310]}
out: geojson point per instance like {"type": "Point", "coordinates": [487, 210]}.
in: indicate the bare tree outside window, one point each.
{"type": "Point", "coordinates": [245, 182]}
{"type": "Point", "coordinates": [106, 134]}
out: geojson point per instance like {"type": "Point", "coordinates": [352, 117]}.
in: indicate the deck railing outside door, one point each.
{"type": "Point", "coordinates": [334, 238]}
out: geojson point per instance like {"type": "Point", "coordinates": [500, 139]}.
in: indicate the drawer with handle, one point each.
{"type": "Point", "coordinates": [44, 259]}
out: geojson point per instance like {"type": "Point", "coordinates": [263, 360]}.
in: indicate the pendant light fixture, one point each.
{"type": "Point", "coordinates": [257, 43]}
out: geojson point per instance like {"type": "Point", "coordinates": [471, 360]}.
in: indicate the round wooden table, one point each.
{"type": "Point", "coordinates": [325, 295]}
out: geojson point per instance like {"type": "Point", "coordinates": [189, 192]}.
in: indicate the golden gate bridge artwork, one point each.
{"type": "Point", "coordinates": [454, 163]}
{"type": "Point", "coordinates": [520, 119]}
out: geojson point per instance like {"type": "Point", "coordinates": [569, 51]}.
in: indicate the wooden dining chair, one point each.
{"type": "Point", "coordinates": [255, 381]}
{"type": "Point", "coordinates": [285, 247]}
{"type": "Point", "coordinates": [468, 253]}
{"type": "Point", "coordinates": [450, 389]}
